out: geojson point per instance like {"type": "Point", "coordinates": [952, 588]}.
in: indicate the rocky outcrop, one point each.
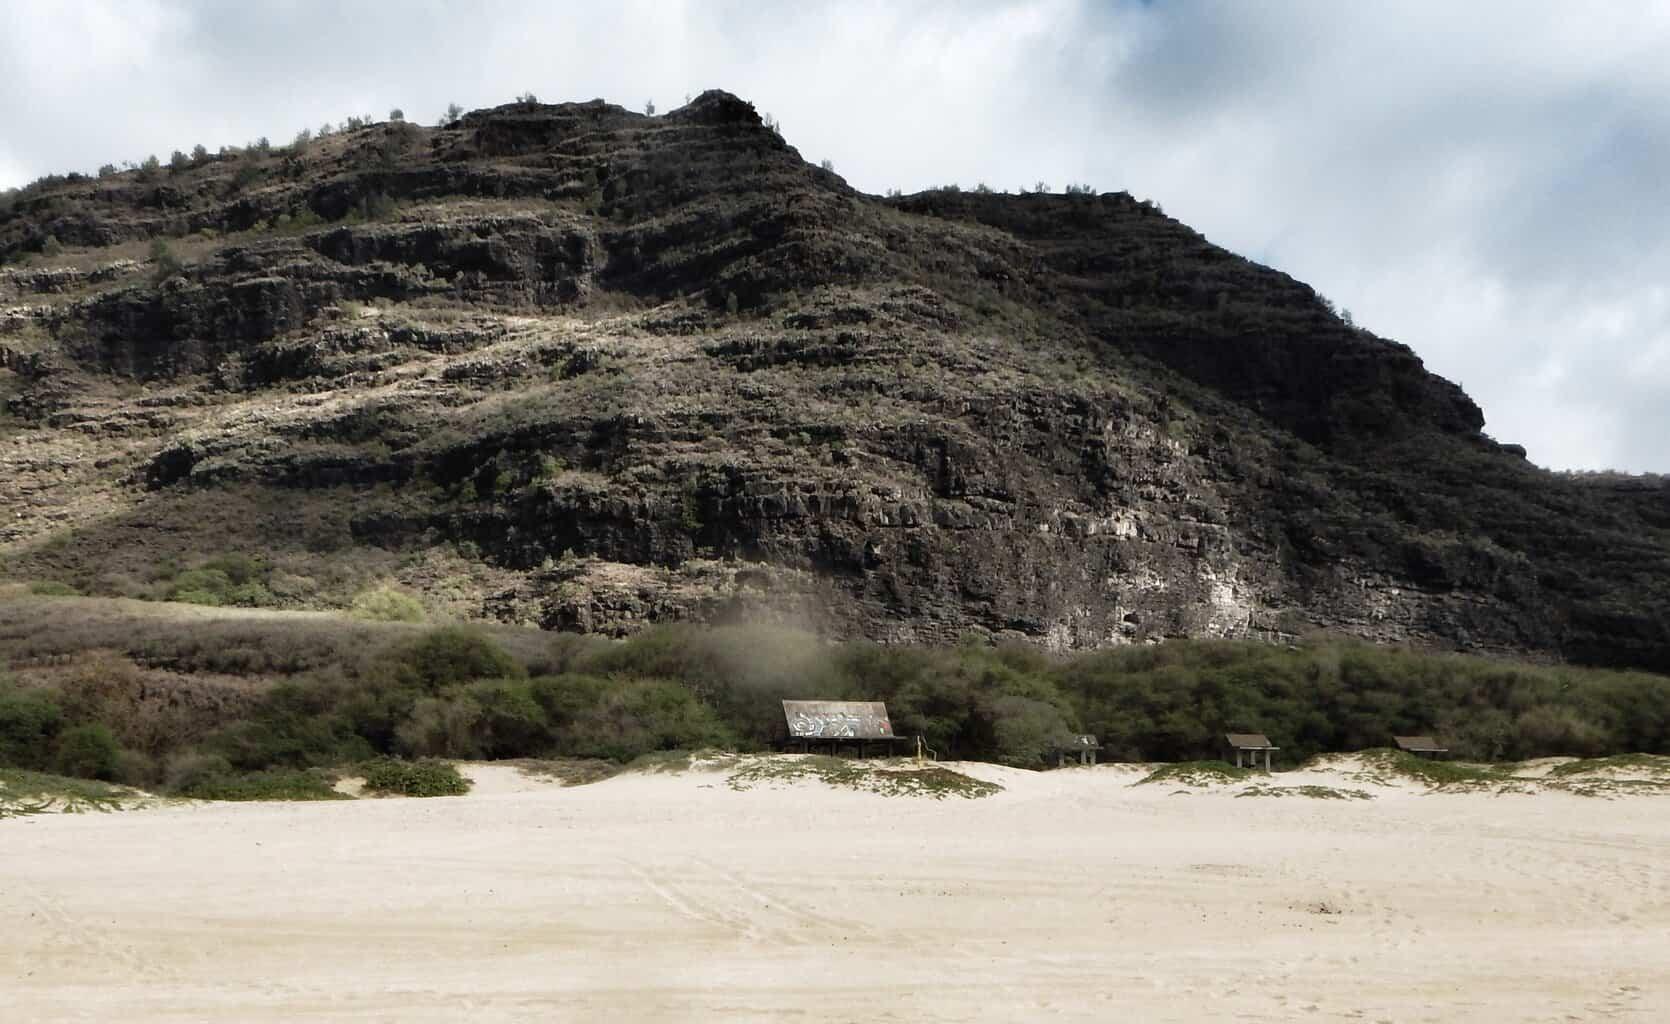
{"type": "Point", "coordinates": [629, 370]}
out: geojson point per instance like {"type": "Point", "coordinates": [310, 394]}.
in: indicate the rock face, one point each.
{"type": "Point", "coordinates": [590, 369]}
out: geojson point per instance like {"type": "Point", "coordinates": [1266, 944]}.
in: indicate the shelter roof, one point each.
{"type": "Point", "coordinates": [838, 719]}
{"type": "Point", "coordinates": [1419, 745]}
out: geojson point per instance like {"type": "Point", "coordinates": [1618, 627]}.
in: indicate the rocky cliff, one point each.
{"type": "Point", "coordinates": [581, 367]}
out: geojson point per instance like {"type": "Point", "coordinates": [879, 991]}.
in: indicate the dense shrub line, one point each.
{"type": "Point", "coordinates": [454, 692]}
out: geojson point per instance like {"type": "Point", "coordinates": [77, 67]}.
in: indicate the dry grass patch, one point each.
{"type": "Point", "coordinates": [568, 771]}
{"type": "Point", "coordinates": [1313, 792]}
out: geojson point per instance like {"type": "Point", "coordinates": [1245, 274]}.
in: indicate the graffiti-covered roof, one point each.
{"type": "Point", "coordinates": [838, 719]}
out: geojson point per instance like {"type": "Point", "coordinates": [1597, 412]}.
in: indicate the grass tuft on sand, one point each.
{"type": "Point", "coordinates": [1650, 766]}
{"type": "Point", "coordinates": [1198, 773]}
{"type": "Point", "coordinates": [275, 784]}
{"type": "Point", "coordinates": [1385, 766]}
{"type": "Point", "coordinates": [888, 778]}
{"type": "Point", "coordinates": [25, 792]}
{"type": "Point", "coordinates": [1313, 792]}
{"type": "Point", "coordinates": [1619, 775]}
{"type": "Point", "coordinates": [676, 761]}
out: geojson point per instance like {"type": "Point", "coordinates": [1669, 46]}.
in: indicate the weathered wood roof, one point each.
{"type": "Point", "coordinates": [838, 719]}
{"type": "Point", "coordinates": [1419, 745]}
{"type": "Point", "coordinates": [1250, 741]}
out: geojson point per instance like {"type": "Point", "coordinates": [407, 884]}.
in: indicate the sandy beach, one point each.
{"type": "Point", "coordinates": [674, 897]}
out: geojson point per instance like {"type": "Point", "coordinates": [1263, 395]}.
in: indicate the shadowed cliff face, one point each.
{"type": "Point", "coordinates": [580, 367]}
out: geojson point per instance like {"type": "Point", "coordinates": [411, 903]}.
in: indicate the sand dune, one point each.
{"type": "Point", "coordinates": [672, 897]}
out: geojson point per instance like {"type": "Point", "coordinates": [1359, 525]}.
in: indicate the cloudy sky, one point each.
{"type": "Point", "coordinates": [1484, 181]}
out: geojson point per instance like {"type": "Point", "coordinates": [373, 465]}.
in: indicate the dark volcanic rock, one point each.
{"type": "Point", "coordinates": [635, 369]}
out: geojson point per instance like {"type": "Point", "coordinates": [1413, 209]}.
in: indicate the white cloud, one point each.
{"type": "Point", "coordinates": [1481, 181]}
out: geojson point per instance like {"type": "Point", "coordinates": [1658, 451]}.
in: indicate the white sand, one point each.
{"type": "Point", "coordinates": [673, 898]}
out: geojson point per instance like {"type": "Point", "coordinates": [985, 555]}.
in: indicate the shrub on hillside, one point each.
{"type": "Point", "coordinates": [200, 586]}
{"type": "Point", "coordinates": [457, 654]}
{"type": "Point", "coordinates": [386, 604]}
{"type": "Point", "coordinates": [565, 699]}
{"type": "Point", "coordinates": [293, 726]}
{"type": "Point", "coordinates": [1555, 730]}
{"type": "Point", "coordinates": [509, 721]}
{"type": "Point", "coordinates": [741, 672]}
{"type": "Point", "coordinates": [232, 580]}
{"type": "Point", "coordinates": [439, 727]}
{"type": "Point", "coordinates": [1025, 730]}
{"type": "Point", "coordinates": [88, 752]}
{"type": "Point", "coordinates": [645, 716]}
{"type": "Point", "coordinates": [246, 175]}
{"type": "Point", "coordinates": [52, 588]}
{"type": "Point", "coordinates": [30, 721]}
{"type": "Point", "coordinates": [192, 769]}
{"type": "Point", "coordinates": [164, 264]}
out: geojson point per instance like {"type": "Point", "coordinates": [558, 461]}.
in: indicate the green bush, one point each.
{"type": "Point", "coordinates": [52, 588]}
{"type": "Point", "coordinates": [164, 264]}
{"type": "Point", "coordinates": [201, 586]}
{"type": "Point", "coordinates": [458, 654]}
{"type": "Point", "coordinates": [277, 784]}
{"type": "Point", "coordinates": [293, 726]}
{"type": "Point", "coordinates": [565, 698]}
{"type": "Point", "coordinates": [510, 722]}
{"type": "Point", "coordinates": [193, 769]}
{"type": "Point", "coordinates": [386, 604]}
{"type": "Point", "coordinates": [239, 568]}
{"type": "Point", "coordinates": [1025, 730]}
{"type": "Point", "coordinates": [742, 673]}
{"type": "Point", "coordinates": [230, 580]}
{"type": "Point", "coordinates": [427, 777]}
{"type": "Point", "coordinates": [642, 716]}
{"type": "Point", "coordinates": [440, 727]}
{"type": "Point", "coordinates": [88, 752]}
{"type": "Point", "coordinates": [30, 721]}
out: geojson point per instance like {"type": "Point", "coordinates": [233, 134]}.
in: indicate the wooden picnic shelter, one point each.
{"type": "Point", "coordinates": [1251, 744]}
{"type": "Point", "coordinates": [1420, 745]}
{"type": "Point", "coordinates": [830, 725]}
{"type": "Point", "coordinates": [1083, 745]}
